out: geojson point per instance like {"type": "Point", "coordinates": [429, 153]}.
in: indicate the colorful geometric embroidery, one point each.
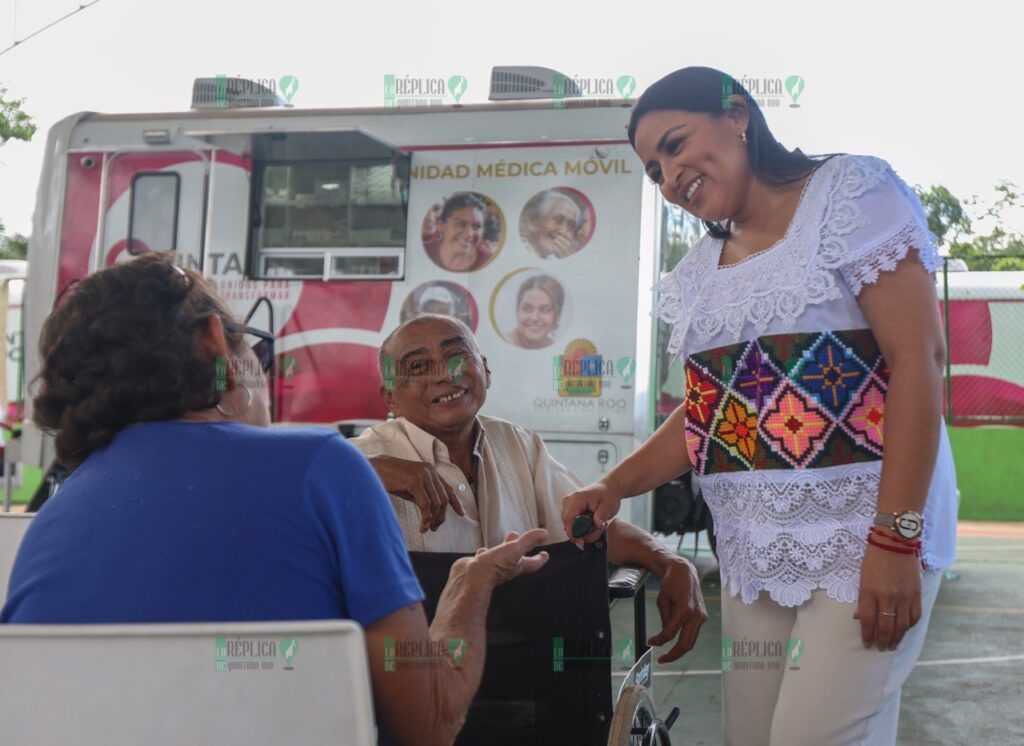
{"type": "Point", "coordinates": [696, 443]}
{"type": "Point", "coordinates": [832, 372]}
{"type": "Point", "coordinates": [794, 426]}
{"type": "Point", "coordinates": [866, 418]}
{"type": "Point", "coordinates": [756, 377]}
{"type": "Point", "coordinates": [786, 401]}
{"type": "Point", "coordinates": [736, 428]}
{"type": "Point", "coordinates": [702, 396]}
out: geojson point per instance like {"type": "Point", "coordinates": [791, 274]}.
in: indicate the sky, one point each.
{"type": "Point", "coordinates": [932, 87]}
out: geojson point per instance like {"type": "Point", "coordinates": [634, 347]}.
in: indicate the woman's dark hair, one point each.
{"type": "Point", "coordinates": [120, 349]}
{"type": "Point", "coordinates": [706, 90]}
{"type": "Point", "coordinates": [459, 200]}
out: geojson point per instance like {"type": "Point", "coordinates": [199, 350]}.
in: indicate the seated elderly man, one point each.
{"type": "Point", "coordinates": [494, 475]}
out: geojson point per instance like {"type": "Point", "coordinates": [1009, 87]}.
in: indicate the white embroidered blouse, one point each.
{"type": "Point", "coordinates": [785, 387]}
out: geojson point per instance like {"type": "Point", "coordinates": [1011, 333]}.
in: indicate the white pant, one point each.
{"type": "Point", "coordinates": [835, 693]}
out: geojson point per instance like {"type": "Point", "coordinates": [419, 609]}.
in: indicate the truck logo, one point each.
{"type": "Point", "coordinates": [577, 372]}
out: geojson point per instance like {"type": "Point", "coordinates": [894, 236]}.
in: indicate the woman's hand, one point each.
{"type": "Point", "coordinates": [598, 498]}
{"type": "Point", "coordinates": [889, 582]}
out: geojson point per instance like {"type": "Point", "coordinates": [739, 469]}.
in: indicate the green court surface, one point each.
{"type": "Point", "coordinates": [965, 688]}
{"type": "Point", "coordinates": [989, 471]}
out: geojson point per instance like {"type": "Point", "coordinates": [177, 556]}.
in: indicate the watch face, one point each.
{"type": "Point", "coordinates": [908, 525]}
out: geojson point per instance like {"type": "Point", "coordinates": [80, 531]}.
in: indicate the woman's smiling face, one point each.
{"type": "Point", "coordinates": [697, 160]}
{"type": "Point", "coordinates": [536, 316]}
{"type": "Point", "coordinates": [460, 234]}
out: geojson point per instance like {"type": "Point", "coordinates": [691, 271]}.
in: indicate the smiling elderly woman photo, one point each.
{"type": "Point", "coordinates": [554, 225]}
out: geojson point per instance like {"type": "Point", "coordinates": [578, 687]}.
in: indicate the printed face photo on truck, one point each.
{"type": "Point", "coordinates": [441, 297]}
{"type": "Point", "coordinates": [556, 223]}
{"type": "Point", "coordinates": [463, 232]}
{"type": "Point", "coordinates": [530, 309]}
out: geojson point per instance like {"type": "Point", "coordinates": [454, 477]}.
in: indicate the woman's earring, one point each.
{"type": "Point", "coordinates": [743, 137]}
{"type": "Point", "coordinates": [248, 401]}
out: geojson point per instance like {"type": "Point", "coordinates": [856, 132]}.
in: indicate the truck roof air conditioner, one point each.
{"type": "Point", "coordinates": [223, 92]}
{"type": "Point", "coordinates": [520, 83]}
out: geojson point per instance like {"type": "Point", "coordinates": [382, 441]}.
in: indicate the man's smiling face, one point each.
{"type": "Point", "coordinates": [440, 378]}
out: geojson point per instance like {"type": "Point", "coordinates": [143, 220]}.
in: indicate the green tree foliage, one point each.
{"type": "Point", "coordinates": [950, 220]}
{"type": "Point", "coordinates": [15, 124]}
{"type": "Point", "coordinates": [14, 246]}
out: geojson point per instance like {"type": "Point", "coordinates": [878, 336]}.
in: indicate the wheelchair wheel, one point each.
{"type": "Point", "coordinates": [634, 722]}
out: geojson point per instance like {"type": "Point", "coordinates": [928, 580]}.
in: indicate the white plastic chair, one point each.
{"type": "Point", "coordinates": [173, 684]}
{"type": "Point", "coordinates": [12, 528]}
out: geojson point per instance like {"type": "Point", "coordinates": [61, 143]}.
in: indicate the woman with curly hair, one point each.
{"type": "Point", "coordinates": [183, 506]}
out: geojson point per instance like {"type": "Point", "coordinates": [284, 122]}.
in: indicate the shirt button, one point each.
{"type": "Point", "coordinates": [462, 488]}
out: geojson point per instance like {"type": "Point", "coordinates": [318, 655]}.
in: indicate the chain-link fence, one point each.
{"type": "Point", "coordinates": [982, 303]}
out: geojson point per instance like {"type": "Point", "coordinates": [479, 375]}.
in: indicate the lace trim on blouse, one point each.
{"type": "Point", "coordinates": [790, 537]}
{"type": "Point", "coordinates": [699, 296]}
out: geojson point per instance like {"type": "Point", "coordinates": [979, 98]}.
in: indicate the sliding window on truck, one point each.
{"type": "Point", "coordinates": [328, 206]}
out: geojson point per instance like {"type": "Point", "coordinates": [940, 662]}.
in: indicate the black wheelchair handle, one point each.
{"type": "Point", "coordinates": [671, 719]}
{"type": "Point", "coordinates": [582, 524]}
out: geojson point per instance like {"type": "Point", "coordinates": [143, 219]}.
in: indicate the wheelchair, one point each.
{"type": "Point", "coordinates": [547, 675]}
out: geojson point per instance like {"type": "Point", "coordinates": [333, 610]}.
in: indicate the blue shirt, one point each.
{"type": "Point", "coordinates": [190, 522]}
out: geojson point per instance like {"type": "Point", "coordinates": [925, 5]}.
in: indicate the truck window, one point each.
{"type": "Point", "coordinates": [678, 233]}
{"type": "Point", "coordinates": [153, 213]}
{"type": "Point", "coordinates": [328, 219]}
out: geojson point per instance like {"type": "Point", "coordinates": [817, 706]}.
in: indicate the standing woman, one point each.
{"type": "Point", "coordinates": [807, 322]}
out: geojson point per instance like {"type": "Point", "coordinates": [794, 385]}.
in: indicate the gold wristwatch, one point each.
{"type": "Point", "coordinates": [907, 524]}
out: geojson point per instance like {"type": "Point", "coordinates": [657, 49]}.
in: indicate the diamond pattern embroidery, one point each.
{"type": "Point", "coordinates": [832, 373]}
{"type": "Point", "coordinates": [866, 418]}
{"type": "Point", "coordinates": [794, 426]}
{"type": "Point", "coordinates": [703, 393]}
{"type": "Point", "coordinates": [696, 444]}
{"type": "Point", "coordinates": [756, 377]}
{"type": "Point", "coordinates": [736, 428]}
{"type": "Point", "coordinates": [796, 400]}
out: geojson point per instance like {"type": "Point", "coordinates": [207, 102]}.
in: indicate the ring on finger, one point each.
{"type": "Point", "coordinates": [887, 613]}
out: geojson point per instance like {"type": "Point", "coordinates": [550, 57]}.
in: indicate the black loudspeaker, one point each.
{"type": "Point", "coordinates": [677, 510]}
{"type": "Point", "coordinates": [675, 507]}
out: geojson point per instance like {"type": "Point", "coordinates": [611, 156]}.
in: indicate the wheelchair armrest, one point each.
{"type": "Point", "coordinates": [627, 582]}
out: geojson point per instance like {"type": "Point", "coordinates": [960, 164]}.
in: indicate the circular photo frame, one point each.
{"type": "Point", "coordinates": [557, 223]}
{"type": "Point", "coordinates": [530, 309]}
{"type": "Point", "coordinates": [443, 297]}
{"type": "Point", "coordinates": [463, 232]}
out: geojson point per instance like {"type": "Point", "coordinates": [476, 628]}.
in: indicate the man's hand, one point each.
{"type": "Point", "coordinates": [681, 605]}
{"type": "Point", "coordinates": [418, 483]}
{"type": "Point", "coordinates": [500, 564]}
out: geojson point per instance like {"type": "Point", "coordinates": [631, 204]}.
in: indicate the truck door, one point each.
{"type": "Point", "coordinates": [154, 201]}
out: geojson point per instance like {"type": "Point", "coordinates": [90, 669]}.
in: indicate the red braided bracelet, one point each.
{"type": "Point", "coordinates": [898, 539]}
{"type": "Point", "coordinates": [899, 550]}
